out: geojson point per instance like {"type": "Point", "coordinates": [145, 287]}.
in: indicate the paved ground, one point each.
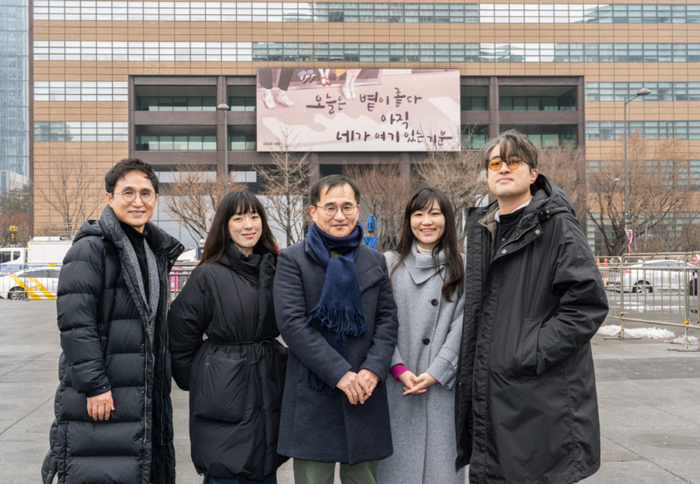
{"type": "Point", "coordinates": [649, 404]}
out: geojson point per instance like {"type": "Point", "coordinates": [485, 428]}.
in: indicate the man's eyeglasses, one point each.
{"type": "Point", "coordinates": [130, 195]}
{"type": "Point", "coordinates": [512, 164]}
{"type": "Point", "coordinates": [348, 210]}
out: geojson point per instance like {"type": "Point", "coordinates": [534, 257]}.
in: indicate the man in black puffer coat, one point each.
{"type": "Point", "coordinates": [526, 408]}
{"type": "Point", "coordinates": [113, 412]}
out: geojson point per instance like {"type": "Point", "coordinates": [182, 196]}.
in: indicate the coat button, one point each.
{"type": "Point", "coordinates": [434, 302]}
{"type": "Point", "coordinates": [537, 232]}
{"type": "Point", "coordinates": [426, 341]}
{"type": "Point", "coordinates": [503, 251]}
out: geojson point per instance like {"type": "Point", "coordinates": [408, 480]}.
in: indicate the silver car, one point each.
{"type": "Point", "coordinates": [650, 275]}
{"type": "Point", "coordinates": [34, 283]}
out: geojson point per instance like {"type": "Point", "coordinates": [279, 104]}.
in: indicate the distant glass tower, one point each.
{"type": "Point", "coordinates": [14, 94]}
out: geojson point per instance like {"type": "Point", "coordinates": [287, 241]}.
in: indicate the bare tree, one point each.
{"type": "Point", "coordinates": [285, 184]}
{"type": "Point", "coordinates": [566, 168]}
{"type": "Point", "coordinates": [73, 188]}
{"type": "Point", "coordinates": [384, 194]}
{"type": "Point", "coordinates": [658, 190]}
{"type": "Point", "coordinates": [459, 174]}
{"type": "Point", "coordinates": [15, 207]}
{"type": "Point", "coordinates": [195, 194]}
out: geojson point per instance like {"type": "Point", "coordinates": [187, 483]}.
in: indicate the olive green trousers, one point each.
{"type": "Point", "coordinates": [312, 472]}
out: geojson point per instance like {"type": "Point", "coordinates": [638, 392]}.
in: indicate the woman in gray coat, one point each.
{"type": "Point", "coordinates": [426, 273]}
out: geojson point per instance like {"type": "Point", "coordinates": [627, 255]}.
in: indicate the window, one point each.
{"type": "Point", "coordinates": [364, 12]}
{"type": "Point", "coordinates": [175, 143]}
{"type": "Point", "coordinates": [165, 103]}
{"type": "Point", "coordinates": [473, 103]}
{"type": "Point", "coordinates": [243, 142]}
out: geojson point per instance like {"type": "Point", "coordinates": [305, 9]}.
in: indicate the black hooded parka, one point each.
{"type": "Point", "coordinates": [102, 317]}
{"type": "Point", "coordinates": [526, 406]}
{"type": "Point", "coordinates": [236, 376]}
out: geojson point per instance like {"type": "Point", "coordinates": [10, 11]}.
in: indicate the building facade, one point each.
{"type": "Point", "coordinates": [14, 94]}
{"type": "Point", "coordinates": [113, 79]}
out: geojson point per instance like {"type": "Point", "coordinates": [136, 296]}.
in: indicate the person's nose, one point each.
{"type": "Point", "coordinates": [137, 202]}
{"type": "Point", "coordinates": [504, 170]}
{"type": "Point", "coordinates": [339, 216]}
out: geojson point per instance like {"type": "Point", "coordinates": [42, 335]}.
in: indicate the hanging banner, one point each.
{"type": "Point", "coordinates": [358, 110]}
{"type": "Point", "coordinates": [630, 237]}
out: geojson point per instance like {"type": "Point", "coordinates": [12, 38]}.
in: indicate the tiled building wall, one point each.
{"type": "Point", "coordinates": [611, 45]}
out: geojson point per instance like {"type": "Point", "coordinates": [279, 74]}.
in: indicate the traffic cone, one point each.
{"type": "Point", "coordinates": [605, 261]}
{"type": "Point", "coordinates": [597, 260]}
{"type": "Point", "coordinates": [695, 260]}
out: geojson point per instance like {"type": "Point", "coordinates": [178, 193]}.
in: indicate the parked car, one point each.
{"type": "Point", "coordinates": [34, 283]}
{"type": "Point", "coordinates": [651, 275]}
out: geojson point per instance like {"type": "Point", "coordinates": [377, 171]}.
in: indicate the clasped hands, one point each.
{"type": "Point", "coordinates": [358, 386]}
{"type": "Point", "coordinates": [416, 385]}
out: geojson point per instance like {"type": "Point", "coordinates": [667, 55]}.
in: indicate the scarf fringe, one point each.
{"type": "Point", "coordinates": [317, 384]}
{"type": "Point", "coordinates": [344, 322]}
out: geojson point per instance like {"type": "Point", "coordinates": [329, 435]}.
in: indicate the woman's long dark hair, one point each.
{"type": "Point", "coordinates": [424, 199]}
{"type": "Point", "coordinates": [239, 202]}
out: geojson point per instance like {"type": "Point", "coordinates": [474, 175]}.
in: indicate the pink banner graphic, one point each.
{"type": "Point", "coordinates": [358, 110]}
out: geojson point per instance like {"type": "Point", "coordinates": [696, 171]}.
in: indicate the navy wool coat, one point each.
{"type": "Point", "coordinates": [315, 426]}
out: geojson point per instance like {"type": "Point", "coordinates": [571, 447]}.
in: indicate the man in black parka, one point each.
{"type": "Point", "coordinates": [113, 411]}
{"type": "Point", "coordinates": [526, 408]}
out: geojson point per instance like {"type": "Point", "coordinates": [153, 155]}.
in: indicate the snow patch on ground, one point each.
{"type": "Point", "coordinates": [650, 333]}
{"type": "Point", "coordinates": [692, 340]}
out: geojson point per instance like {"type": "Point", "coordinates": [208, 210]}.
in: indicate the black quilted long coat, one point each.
{"type": "Point", "coordinates": [236, 376]}
{"type": "Point", "coordinates": [102, 315]}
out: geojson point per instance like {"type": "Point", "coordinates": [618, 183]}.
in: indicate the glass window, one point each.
{"type": "Point", "coordinates": [180, 143]}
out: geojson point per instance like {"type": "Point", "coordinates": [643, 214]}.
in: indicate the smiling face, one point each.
{"type": "Point", "coordinates": [506, 184]}
{"type": "Point", "coordinates": [137, 212]}
{"type": "Point", "coordinates": [339, 197]}
{"type": "Point", "coordinates": [245, 230]}
{"type": "Point", "coordinates": [428, 225]}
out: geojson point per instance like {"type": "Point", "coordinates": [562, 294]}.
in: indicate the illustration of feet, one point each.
{"type": "Point", "coordinates": [284, 100]}
{"type": "Point", "coordinates": [268, 101]}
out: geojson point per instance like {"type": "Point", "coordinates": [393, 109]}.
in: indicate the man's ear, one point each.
{"type": "Point", "coordinates": [533, 175]}
{"type": "Point", "coordinates": [109, 198]}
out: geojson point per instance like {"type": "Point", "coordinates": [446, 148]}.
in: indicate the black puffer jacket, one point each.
{"type": "Point", "coordinates": [236, 376]}
{"type": "Point", "coordinates": [102, 317]}
{"type": "Point", "coordinates": [526, 409]}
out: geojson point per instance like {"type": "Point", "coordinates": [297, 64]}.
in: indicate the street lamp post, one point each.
{"type": "Point", "coordinates": [224, 107]}
{"type": "Point", "coordinates": [642, 92]}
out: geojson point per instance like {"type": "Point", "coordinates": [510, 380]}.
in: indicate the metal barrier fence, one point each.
{"type": "Point", "coordinates": [655, 289]}
{"type": "Point", "coordinates": [659, 289]}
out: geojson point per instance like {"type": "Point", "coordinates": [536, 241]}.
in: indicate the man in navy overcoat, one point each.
{"type": "Point", "coordinates": [336, 312]}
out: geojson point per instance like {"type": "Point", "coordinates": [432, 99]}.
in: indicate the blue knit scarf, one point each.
{"type": "Point", "coordinates": [338, 313]}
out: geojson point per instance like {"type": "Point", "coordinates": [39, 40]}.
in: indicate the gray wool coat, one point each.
{"type": "Point", "coordinates": [430, 330]}
{"type": "Point", "coordinates": [327, 428]}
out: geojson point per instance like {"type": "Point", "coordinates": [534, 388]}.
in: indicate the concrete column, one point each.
{"type": "Point", "coordinates": [132, 108]}
{"type": "Point", "coordinates": [494, 106]}
{"type": "Point", "coordinates": [582, 192]}
{"type": "Point", "coordinates": [221, 134]}
{"type": "Point", "coordinates": [405, 166]}
{"type": "Point", "coordinates": [314, 169]}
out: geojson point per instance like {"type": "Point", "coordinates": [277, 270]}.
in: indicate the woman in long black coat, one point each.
{"type": "Point", "coordinates": [235, 377]}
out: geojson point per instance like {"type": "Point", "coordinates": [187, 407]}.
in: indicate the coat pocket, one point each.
{"type": "Point", "coordinates": [526, 355]}
{"type": "Point", "coordinates": [222, 389]}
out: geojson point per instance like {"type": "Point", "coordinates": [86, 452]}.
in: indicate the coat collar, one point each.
{"type": "Point", "coordinates": [108, 228]}
{"type": "Point", "coordinates": [421, 266]}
